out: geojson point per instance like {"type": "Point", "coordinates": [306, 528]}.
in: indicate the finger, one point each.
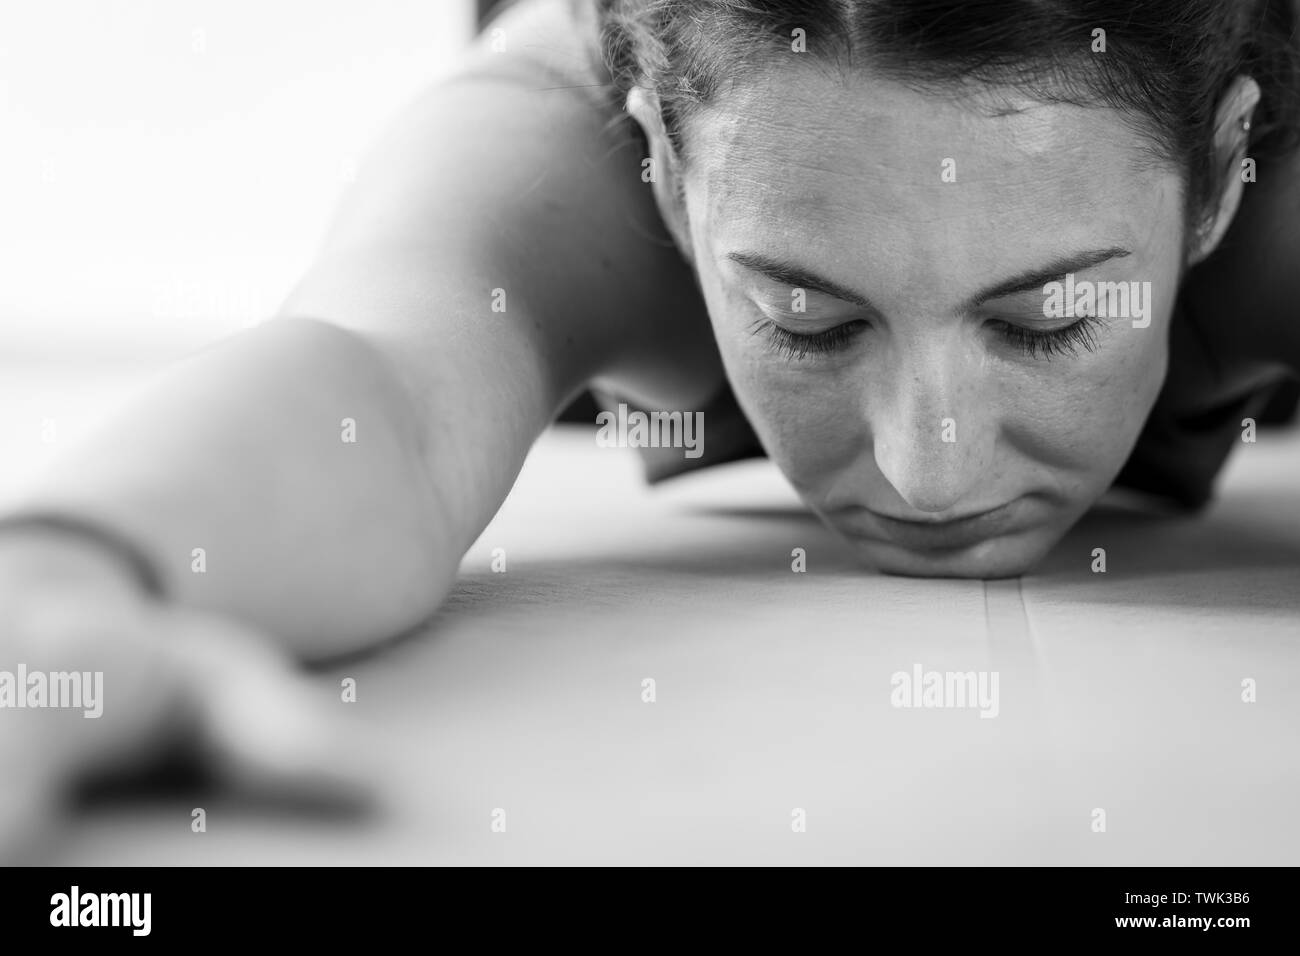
{"type": "Point", "coordinates": [30, 810]}
{"type": "Point", "coordinates": [268, 731]}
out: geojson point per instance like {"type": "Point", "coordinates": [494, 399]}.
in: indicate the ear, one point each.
{"type": "Point", "coordinates": [664, 168]}
{"type": "Point", "coordinates": [1231, 139]}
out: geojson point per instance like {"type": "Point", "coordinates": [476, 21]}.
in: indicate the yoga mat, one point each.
{"type": "Point", "coordinates": [773, 736]}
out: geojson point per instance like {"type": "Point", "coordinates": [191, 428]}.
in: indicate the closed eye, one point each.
{"type": "Point", "coordinates": [1067, 341]}
{"type": "Point", "coordinates": [796, 346]}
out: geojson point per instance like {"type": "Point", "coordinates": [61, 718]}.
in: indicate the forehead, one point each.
{"type": "Point", "coordinates": [808, 156]}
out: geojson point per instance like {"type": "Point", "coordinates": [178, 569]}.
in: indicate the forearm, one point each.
{"type": "Point", "coordinates": [278, 477]}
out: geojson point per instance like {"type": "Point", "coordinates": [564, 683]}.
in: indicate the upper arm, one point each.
{"type": "Point", "coordinates": [490, 191]}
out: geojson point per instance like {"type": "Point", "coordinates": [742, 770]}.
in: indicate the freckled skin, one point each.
{"type": "Point", "coordinates": [842, 176]}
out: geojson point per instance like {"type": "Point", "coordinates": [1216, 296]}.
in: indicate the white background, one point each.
{"type": "Point", "coordinates": [168, 166]}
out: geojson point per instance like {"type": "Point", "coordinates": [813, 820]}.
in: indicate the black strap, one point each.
{"type": "Point", "coordinates": [146, 572]}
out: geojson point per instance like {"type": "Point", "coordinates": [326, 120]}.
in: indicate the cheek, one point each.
{"type": "Point", "coordinates": [1071, 422]}
{"type": "Point", "coordinates": [1091, 410]}
{"type": "Point", "coordinates": [807, 414]}
{"type": "Point", "coordinates": [812, 423]}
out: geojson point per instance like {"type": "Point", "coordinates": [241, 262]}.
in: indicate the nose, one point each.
{"type": "Point", "coordinates": [932, 428]}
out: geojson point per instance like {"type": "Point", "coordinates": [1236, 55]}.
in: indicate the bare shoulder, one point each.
{"type": "Point", "coordinates": [514, 173]}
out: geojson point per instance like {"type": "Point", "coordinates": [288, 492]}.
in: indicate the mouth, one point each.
{"type": "Point", "coordinates": [928, 534]}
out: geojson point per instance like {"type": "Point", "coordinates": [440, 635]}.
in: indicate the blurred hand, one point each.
{"type": "Point", "coordinates": [175, 682]}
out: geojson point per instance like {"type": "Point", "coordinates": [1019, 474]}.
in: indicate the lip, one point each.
{"type": "Point", "coordinates": [930, 534]}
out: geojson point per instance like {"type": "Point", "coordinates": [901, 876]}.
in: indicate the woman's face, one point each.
{"type": "Point", "coordinates": [874, 261]}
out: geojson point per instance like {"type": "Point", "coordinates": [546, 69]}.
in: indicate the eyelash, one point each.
{"type": "Point", "coordinates": [1066, 341]}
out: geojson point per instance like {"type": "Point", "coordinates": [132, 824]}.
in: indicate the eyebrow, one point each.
{"type": "Point", "coordinates": [1054, 271]}
{"type": "Point", "coordinates": [788, 273]}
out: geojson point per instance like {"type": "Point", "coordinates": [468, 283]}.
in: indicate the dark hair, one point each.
{"type": "Point", "coordinates": [1167, 62]}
